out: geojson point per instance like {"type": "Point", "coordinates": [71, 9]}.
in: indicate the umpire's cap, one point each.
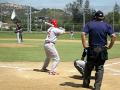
{"type": "Point", "coordinates": [99, 14]}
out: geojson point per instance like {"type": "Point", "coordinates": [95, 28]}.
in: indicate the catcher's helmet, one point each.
{"type": "Point", "coordinates": [54, 22]}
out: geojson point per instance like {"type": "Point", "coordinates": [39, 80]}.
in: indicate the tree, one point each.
{"type": "Point", "coordinates": [79, 11]}
{"type": "Point", "coordinates": [109, 17]}
{"type": "Point", "coordinates": [87, 11]}
{"type": "Point", "coordinates": [116, 17]}
{"type": "Point", "coordinates": [116, 13]}
{"type": "Point", "coordinates": [74, 9]}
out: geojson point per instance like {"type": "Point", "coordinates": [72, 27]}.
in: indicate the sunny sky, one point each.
{"type": "Point", "coordinates": [104, 5]}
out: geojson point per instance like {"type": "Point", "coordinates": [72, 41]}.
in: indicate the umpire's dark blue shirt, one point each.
{"type": "Point", "coordinates": [98, 31]}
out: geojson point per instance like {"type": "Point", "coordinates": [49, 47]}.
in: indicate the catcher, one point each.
{"type": "Point", "coordinates": [80, 63]}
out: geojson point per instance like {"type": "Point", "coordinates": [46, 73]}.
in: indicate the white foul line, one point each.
{"type": "Point", "coordinates": [106, 67]}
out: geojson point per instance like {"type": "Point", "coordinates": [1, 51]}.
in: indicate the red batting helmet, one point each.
{"type": "Point", "coordinates": [54, 22]}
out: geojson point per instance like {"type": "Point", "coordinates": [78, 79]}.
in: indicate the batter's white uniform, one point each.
{"type": "Point", "coordinates": [50, 50]}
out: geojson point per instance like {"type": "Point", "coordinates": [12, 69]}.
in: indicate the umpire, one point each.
{"type": "Point", "coordinates": [97, 31]}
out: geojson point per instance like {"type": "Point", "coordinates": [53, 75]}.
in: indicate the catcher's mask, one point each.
{"type": "Point", "coordinates": [54, 22]}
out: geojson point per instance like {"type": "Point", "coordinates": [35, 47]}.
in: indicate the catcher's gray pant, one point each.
{"type": "Point", "coordinates": [80, 65]}
{"type": "Point", "coordinates": [51, 52]}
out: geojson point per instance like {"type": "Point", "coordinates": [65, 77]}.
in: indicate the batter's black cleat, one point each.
{"type": "Point", "coordinates": [44, 70]}
{"type": "Point", "coordinates": [41, 70]}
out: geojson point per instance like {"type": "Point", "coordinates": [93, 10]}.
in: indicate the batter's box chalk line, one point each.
{"type": "Point", "coordinates": [111, 64]}
{"type": "Point", "coordinates": [114, 71]}
{"type": "Point", "coordinates": [18, 68]}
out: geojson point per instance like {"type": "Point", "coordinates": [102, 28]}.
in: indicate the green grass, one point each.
{"type": "Point", "coordinates": [27, 35]}
{"type": "Point", "coordinates": [114, 52]}
{"type": "Point", "coordinates": [42, 35]}
{"type": "Point", "coordinates": [35, 35]}
{"type": "Point", "coordinates": [69, 51]}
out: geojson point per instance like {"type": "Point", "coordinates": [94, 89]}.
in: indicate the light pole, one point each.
{"type": "Point", "coordinates": [54, 12]}
{"type": "Point", "coordinates": [84, 14]}
{"type": "Point", "coordinates": [1, 18]}
{"type": "Point", "coordinates": [29, 18]}
{"type": "Point", "coordinates": [113, 19]}
{"type": "Point", "coordinates": [83, 17]}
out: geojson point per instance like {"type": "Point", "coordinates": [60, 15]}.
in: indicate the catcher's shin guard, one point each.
{"type": "Point", "coordinates": [80, 65]}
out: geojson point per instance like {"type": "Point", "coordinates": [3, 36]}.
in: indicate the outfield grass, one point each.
{"type": "Point", "coordinates": [33, 49]}
{"type": "Point", "coordinates": [42, 35]}
{"type": "Point", "coordinates": [68, 51]}
{"type": "Point", "coordinates": [36, 35]}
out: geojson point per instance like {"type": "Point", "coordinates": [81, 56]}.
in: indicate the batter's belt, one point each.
{"type": "Point", "coordinates": [46, 42]}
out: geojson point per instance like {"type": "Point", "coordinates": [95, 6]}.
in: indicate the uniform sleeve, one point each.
{"type": "Point", "coordinates": [110, 30]}
{"type": "Point", "coordinates": [59, 31]}
{"type": "Point", "coordinates": [86, 29]}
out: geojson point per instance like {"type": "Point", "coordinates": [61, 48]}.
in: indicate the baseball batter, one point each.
{"type": "Point", "coordinates": [49, 46]}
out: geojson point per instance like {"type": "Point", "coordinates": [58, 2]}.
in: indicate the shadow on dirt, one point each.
{"type": "Point", "coordinates": [39, 70]}
{"type": "Point", "coordinates": [71, 84]}
{"type": "Point", "coordinates": [80, 77]}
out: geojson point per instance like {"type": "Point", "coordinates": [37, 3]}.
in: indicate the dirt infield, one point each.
{"type": "Point", "coordinates": [20, 76]}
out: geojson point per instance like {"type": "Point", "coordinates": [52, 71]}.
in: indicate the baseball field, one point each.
{"type": "Point", "coordinates": [17, 62]}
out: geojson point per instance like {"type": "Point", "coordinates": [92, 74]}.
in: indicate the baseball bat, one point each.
{"type": "Point", "coordinates": [43, 20]}
{"type": "Point", "coordinates": [49, 24]}
{"type": "Point", "coordinates": [53, 25]}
